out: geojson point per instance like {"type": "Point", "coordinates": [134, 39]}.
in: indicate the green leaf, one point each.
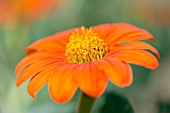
{"type": "Point", "coordinates": [115, 103]}
{"type": "Point", "coordinates": [163, 107]}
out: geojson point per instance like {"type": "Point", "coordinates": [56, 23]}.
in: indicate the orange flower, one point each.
{"type": "Point", "coordinates": [37, 8]}
{"type": "Point", "coordinates": [12, 10]}
{"type": "Point", "coordinates": [86, 59]}
{"type": "Point", "coordinates": [8, 12]}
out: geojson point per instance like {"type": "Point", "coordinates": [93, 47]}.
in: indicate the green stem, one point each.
{"type": "Point", "coordinates": [86, 104]}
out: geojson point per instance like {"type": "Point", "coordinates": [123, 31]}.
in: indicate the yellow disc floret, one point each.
{"type": "Point", "coordinates": [85, 46]}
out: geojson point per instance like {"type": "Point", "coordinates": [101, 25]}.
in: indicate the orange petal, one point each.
{"type": "Point", "coordinates": [35, 68]}
{"type": "Point", "coordinates": [119, 73]}
{"type": "Point", "coordinates": [90, 79]}
{"type": "Point", "coordinates": [121, 32]}
{"type": "Point", "coordinates": [54, 43]}
{"type": "Point", "coordinates": [37, 83]}
{"type": "Point", "coordinates": [33, 58]}
{"type": "Point", "coordinates": [39, 80]}
{"type": "Point", "coordinates": [103, 30]}
{"type": "Point", "coordinates": [135, 45]}
{"type": "Point", "coordinates": [138, 57]}
{"type": "Point", "coordinates": [61, 85]}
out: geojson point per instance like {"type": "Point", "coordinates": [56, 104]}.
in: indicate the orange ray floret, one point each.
{"type": "Point", "coordinates": [86, 59]}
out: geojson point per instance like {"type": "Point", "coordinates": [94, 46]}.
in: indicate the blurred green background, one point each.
{"type": "Point", "coordinates": [150, 91]}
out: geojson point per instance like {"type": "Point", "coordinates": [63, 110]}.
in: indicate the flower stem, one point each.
{"type": "Point", "coordinates": [86, 104]}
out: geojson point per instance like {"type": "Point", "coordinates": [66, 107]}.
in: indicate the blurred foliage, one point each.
{"type": "Point", "coordinates": [75, 13]}
{"type": "Point", "coordinates": [115, 103]}
{"type": "Point", "coordinates": [163, 107]}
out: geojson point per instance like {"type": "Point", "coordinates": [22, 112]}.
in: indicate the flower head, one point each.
{"type": "Point", "coordinates": [85, 47]}
{"type": "Point", "coordinates": [86, 59]}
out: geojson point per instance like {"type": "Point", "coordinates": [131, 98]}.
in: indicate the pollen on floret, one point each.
{"type": "Point", "coordinates": [85, 46]}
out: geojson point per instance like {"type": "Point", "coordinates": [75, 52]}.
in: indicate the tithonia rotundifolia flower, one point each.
{"type": "Point", "coordinates": [86, 58]}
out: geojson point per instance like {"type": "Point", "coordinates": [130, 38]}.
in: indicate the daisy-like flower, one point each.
{"type": "Point", "coordinates": [86, 59]}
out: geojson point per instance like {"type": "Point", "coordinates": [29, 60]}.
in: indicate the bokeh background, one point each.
{"type": "Point", "coordinates": [25, 21]}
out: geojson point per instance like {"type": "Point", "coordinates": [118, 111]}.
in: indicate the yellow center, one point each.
{"type": "Point", "coordinates": [85, 46]}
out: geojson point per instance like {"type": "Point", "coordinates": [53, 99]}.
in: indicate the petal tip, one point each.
{"type": "Point", "coordinates": [61, 101]}
{"type": "Point", "coordinates": [158, 56]}
{"type": "Point", "coordinates": [153, 39]}
{"type": "Point", "coordinates": [124, 85]}
{"type": "Point", "coordinates": [155, 66]}
{"type": "Point", "coordinates": [31, 94]}
{"type": "Point", "coordinates": [18, 83]}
